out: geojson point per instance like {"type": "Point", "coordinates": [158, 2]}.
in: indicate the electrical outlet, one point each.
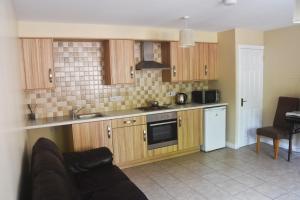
{"type": "Point", "coordinates": [116, 98]}
{"type": "Point", "coordinates": [171, 93]}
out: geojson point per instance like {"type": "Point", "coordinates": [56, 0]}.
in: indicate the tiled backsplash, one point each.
{"type": "Point", "coordinates": [79, 81]}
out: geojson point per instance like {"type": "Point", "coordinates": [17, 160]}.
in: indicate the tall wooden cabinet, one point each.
{"type": "Point", "coordinates": [119, 62]}
{"type": "Point", "coordinates": [37, 63]}
{"type": "Point", "coordinates": [189, 129]}
{"type": "Point", "coordinates": [92, 135]}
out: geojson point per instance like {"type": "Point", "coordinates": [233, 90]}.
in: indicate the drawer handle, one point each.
{"type": "Point", "coordinates": [206, 70]}
{"type": "Point", "coordinates": [108, 131]}
{"type": "Point", "coordinates": [130, 121]}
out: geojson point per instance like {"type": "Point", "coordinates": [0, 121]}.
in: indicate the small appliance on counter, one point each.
{"type": "Point", "coordinates": [181, 98]}
{"type": "Point", "coordinates": [206, 96]}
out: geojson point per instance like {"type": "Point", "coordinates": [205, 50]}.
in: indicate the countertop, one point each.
{"type": "Point", "coordinates": [67, 120]}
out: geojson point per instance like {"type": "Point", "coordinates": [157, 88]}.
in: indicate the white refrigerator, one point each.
{"type": "Point", "coordinates": [214, 128]}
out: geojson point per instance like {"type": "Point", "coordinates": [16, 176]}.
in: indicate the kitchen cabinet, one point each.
{"type": "Point", "coordinates": [180, 61]}
{"type": "Point", "coordinates": [130, 144]}
{"type": "Point", "coordinates": [37, 63]}
{"type": "Point", "coordinates": [189, 129]}
{"type": "Point", "coordinates": [92, 135]}
{"type": "Point", "coordinates": [119, 62]}
{"type": "Point", "coordinates": [189, 64]}
{"type": "Point", "coordinates": [206, 61]}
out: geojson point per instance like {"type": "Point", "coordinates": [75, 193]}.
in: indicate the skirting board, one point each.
{"type": "Point", "coordinates": [283, 144]}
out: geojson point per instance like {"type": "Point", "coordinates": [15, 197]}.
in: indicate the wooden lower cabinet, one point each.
{"type": "Point", "coordinates": [189, 129]}
{"type": "Point", "coordinates": [92, 135]}
{"type": "Point", "coordinates": [129, 144]}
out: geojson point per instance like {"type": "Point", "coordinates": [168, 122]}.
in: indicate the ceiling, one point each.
{"type": "Point", "coordinates": [208, 15]}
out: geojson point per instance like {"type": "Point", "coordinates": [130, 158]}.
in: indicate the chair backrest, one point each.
{"type": "Point", "coordinates": [285, 104]}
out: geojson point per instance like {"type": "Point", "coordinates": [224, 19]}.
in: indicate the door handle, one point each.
{"type": "Point", "coordinates": [108, 132]}
{"type": "Point", "coordinates": [174, 70]}
{"type": "Point", "coordinates": [145, 135]}
{"type": "Point", "coordinates": [131, 72]}
{"type": "Point", "coordinates": [179, 121]}
{"type": "Point", "coordinates": [243, 101]}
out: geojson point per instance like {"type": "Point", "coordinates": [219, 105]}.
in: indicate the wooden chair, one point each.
{"type": "Point", "coordinates": [281, 128]}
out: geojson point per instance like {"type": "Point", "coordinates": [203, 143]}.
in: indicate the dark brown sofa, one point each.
{"type": "Point", "coordinates": [88, 175]}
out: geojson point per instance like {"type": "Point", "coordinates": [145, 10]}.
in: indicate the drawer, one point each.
{"type": "Point", "coordinates": [130, 121]}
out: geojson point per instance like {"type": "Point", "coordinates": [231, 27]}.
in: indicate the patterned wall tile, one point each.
{"type": "Point", "coordinates": [79, 81]}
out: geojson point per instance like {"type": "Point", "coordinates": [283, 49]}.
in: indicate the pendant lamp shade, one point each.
{"type": "Point", "coordinates": [186, 38]}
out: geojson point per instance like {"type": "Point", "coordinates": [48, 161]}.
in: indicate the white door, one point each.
{"type": "Point", "coordinates": [250, 92]}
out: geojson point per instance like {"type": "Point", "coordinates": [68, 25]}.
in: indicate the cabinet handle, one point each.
{"type": "Point", "coordinates": [108, 131]}
{"type": "Point", "coordinates": [131, 72]}
{"type": "Point", "coordinates": [179, 121]}
{"type": "Point", "coordinates": [174, 70]}
{"type": "Point", "coordinates": [206, 70]}
{"type": "Point", "coordinates": [145, 135]}
{"type": "Point", "coordinates": [50, 76]}
{"type": "Point", "coordinates": [129, 121]}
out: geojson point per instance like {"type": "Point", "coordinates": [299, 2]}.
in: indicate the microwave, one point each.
{"type": "Point", "coordinates": [206, 96]}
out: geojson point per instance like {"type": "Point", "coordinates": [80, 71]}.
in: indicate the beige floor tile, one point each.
{"type": "Point", "coordinates": [216, 178]}
{"type": "Point", "coordinates": [270, 190]}
{"type": "Point", "coordinates": [249, 180]}
{"type": "Point", "coordinates": [232, 187]}
{"type": "Point", "coordinates": [288, 197]}
{"type": "Point", "coordinates": [251, 195]}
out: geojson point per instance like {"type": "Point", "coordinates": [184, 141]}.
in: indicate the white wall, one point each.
{"type": "Point", "coordinates": [12, 137]}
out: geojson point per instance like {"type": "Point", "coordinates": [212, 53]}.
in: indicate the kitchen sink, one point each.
{"type": "Point", "coordinates": [89, 115]}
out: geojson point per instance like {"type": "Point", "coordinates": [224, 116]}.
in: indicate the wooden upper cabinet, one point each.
{"type": "Point", "coordinates": [206, 61]}
{"type": "Point", "coordinates": [119, 61]}
{"type": "Point", "coordinates": [189, 129]}
{"type": "Point", "coordinates": [37, 63]}
{"type": "Point", "coordinates": [92, 135]}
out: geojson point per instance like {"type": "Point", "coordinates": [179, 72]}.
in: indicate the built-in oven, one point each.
{"type": "Point", "coordinates": [162, 130]}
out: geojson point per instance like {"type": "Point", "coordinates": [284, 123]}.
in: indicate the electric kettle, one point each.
{"type": "Point", "coordinates": [181, 98]}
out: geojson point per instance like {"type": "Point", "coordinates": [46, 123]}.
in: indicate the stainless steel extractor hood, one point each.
{"type": "Point", "coordinates": [147, 58]}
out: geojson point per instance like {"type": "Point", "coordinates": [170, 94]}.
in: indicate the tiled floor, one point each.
{"type": "Point", "coordinates": [222, 174]}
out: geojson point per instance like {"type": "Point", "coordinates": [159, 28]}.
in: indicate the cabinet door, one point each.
{"type": "Point", "coordinates": [171, 57]}
{"type": "Point", "coordinates": [92, 135]}
{"type": "Point", "coordinates": [189, 129]}
{"type": "Point", "coordinates": [38, 63]}
{"type": "Point", "coordinates": [212, 61]}
{"type": "Point", "coordinates": [119, 61]}
{"type": "Point", "coordinates": [130, 144]}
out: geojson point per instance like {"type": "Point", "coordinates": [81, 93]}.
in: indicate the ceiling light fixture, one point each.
{"type": "Point", "coordinates": [186, 35]}
{"type": "Point", "coordinates": [296, 18]}
{"type": "Point", "coordinates": [229, 2]}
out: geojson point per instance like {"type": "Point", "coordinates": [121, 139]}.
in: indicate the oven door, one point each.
{"type": "Point", "coordinates": [162, 133]}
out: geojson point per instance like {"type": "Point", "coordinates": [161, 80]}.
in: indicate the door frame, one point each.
{"type": "Point", "coordinates": [237, 88]}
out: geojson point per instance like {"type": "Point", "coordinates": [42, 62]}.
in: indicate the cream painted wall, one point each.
{"type": "Point", "coordinates": [12, 136]}
{"type": "Point", "coordinates": [226, 81]}
{"type": "Point", "coordinates": [282, 70]}
{"type": "Point", "coordinates": [228, 44]}
{"type": "Point", "coordinates": [69, 30]}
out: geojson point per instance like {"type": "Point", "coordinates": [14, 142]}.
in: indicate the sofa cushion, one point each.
{"type": "Point", "coordinates": [47, 161]}
{"type": "Point", "coordinates": [44, 144]}
{"type": "Point", "coordinates": [48, 185]}
{"type": "Point", "coordinates": [83, 161]}
{"type": "Point", "coordinates": [122, 190]}
{"type": "Point", "coordinates": [98, 179]}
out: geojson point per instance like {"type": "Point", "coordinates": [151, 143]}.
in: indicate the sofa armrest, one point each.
{"type": "Point", "coordinates": [78, 162]}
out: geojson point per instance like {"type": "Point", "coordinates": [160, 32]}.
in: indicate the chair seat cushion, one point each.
{"type": "Point", "coordinates": [272, 132]}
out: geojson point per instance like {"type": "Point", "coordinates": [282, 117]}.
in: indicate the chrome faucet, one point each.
{"type": "Point", "coordinates": [74, 112]}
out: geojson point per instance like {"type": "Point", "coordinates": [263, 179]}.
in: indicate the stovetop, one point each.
{"type": "Point", "coordinates": [153, 108]}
